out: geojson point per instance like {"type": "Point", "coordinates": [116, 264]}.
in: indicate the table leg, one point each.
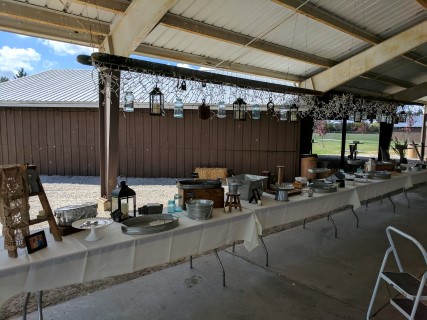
{"type": "Point", "coordinates": [24, 309]}
{"type": "Point", "coordinates": [265, 249]}
{"type": "Point", "coordinates": [357, 218]}
{"type": "Point", "coordinates": [333, 222]}
{"type": "Point", "coordinates": [405, 192]}
{"type": "Point", "coordinates": [389, 198]}
{"type": "Point", "coordinates": [39, 295]}
{"type": "Point", "coordinates": [220, 264]}
{"type": "Point", "coordinates": [191, 262]}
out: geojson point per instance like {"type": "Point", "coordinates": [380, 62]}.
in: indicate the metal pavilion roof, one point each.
{"type": "Point", "coordinates": [295, 40]}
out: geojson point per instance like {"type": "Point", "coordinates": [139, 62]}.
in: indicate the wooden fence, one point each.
{"type": "Point", "coordinates": [65, 141]}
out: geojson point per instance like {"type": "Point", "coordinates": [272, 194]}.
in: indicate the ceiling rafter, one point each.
{"type": "Point", "coordinates": [368, 59]}
{"type": "Point", "coordinates": [189, 25]}
{"type": "Point", "coordinates": [330, 19]}
{"type": "Point", "coordinates": [411, 94]}
{"type": "Point", "coordinates": [156, 52]}
{"type": "Point", "coordinates": [115, 6]}
{"type": "Point", "coordinates": [423, 3]}
{"type": "Point", "coordinates": [171, 20]}
{"type": "Point", "coordinates": [53, 18]}
{"type": "Point", "coordinates": [34, 29]}
{"type": "Point", "coordinates": [131, 29]}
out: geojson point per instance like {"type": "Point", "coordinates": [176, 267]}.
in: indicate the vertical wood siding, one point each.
{"type": "Point", "coordinates": [66, 142]}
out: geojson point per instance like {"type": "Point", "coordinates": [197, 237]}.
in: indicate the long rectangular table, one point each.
{"type": "Point", "coordinates": [75, 260]}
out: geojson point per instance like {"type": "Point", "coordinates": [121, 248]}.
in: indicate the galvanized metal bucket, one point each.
{"type": "Point", "coordinates": [199, 209]}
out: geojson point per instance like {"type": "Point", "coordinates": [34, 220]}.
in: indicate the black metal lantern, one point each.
{"type": "Point", "coordinates": [157, 102]}
{"type": "Point", "coordinates": [123, 199]}
{"type": "Point", "coordinates": [402, 116]}
{"type": "Point", "coordinates": [395, 118]}
{"type": "Point", "coordinates": [294, 113]}
{"type": "Point", "coordinates": [239, 109]}
{"type": "Point", "coordinates": [270, 106]}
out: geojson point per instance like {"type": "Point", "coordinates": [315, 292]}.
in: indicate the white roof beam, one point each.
{"type": "Point", "coordinates": [314, 12]}
{"type": "Point", "coordinates": [41, 15]}
{"type": "Point", "coordinates": [133, 27]}
{"type": "Point", "coordinates": [411, 94]}
{"type": "Point", "coordinates": [368, 59]}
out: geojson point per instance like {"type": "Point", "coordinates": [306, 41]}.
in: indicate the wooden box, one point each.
{"type": "Point", "coordinates": [214, 194]}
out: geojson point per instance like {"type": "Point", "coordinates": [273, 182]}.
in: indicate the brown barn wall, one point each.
{"type": "Point", "coordinates": [64, 141]}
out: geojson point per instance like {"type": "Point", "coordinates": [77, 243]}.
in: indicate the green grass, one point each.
{"type": "Point", "coordinates": [331, 143]}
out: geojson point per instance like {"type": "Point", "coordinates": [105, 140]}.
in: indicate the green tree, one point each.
{"type": "Point", "coordinates": [4, 79]}
{"type": "Point", "coordinates": [20, 74]}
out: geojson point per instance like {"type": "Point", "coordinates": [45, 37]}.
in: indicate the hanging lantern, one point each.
{"type": "Point", "coordinates": [402, 116]}
{"type": "Point", "coordinates": [294, 113]}
{"type": "Point", "coordinates": [204, 110]}
{"type": "Point", "coordinates": [379, 116]}
{"type": "Point", "coordinates": [129, 102]}
{"type": "Point", "coordinates": [351, 117]}
{"type": "Point", "coordinates": [395, 118]}
{"type": "Point", "coordinates": [256, 112]}
{"type": "Point", "coordinates": [364, 115]}
{"type": "Point", "coordinates": [178, 110]}
{"type": "Point", "coordinates": [357, 116]}
{"type": "Point", "coordinates": [239, 109]}
{"type": "Point", "coordinates": [389, 119]}
{"type": "Point", "coordinates": [222, 110]}
{"type": "Point", "coordinates": [383, 117]}
{"type": "Point", "coordinates": [157, 102]}
{"type": "Point", "coordinates": [183, 85]}
{"type": "Point", "coordinates": [270, 106]}
{"type": "Point", "coordinates": [123, 199]}
{"type": "Point", "coordinates": [283, 113]}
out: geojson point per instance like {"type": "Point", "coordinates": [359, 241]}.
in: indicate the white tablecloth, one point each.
{"type": "Point", "coordinates": [75, 260]}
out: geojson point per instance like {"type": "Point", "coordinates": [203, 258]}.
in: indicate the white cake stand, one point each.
{"type": "Point", "coordinates": [92, 224]}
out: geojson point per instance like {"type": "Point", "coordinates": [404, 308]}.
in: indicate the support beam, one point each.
{"type": "Point", "coordinates": [44, 16]}
{"type": "Point", "coordinates": [131, 29]}
{"type": "Point", "coordinates": [385, 79]}
{"type": "Point", "coordinates": [411, 94]}
{"type": "Point", "coordinates": [368, 59]}
{"type": "Point", "coordinates": [122, 63]}
{"type": "Point", "coordinates": [189, 25]}
{"type": "Point", "coordinates": [314, 12]}
{"type": "Point", "coordinates": [423, 3]}
{"type": "Point", "coordinates": [115, 6]}
{"type": "Point", "coordinates": [109, 128]}
{"type": "Point", "coordinates": [172, 55]}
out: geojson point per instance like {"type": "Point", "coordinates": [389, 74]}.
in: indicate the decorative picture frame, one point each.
{"type": "Point", "coordinates": [36, 241]}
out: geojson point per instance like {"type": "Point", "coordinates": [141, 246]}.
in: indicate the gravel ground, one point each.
{"type": "Point", "coordinates": [62, 191]}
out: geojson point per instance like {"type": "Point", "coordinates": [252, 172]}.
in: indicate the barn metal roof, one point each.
{"type": "Point", "coordinates": [305, 41]}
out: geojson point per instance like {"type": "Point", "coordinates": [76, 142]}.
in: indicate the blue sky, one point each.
{"type": "Point", "coordinates": [36, 55]}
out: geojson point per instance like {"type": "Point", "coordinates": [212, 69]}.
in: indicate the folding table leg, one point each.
{"type": "Point", "coordinates": [389, 198]}
{"type": "Point", "coordinates": [220, 264]}
{"type": "Point", "coordinates": [24, 309]}
{"type": "Point", "coordinates": [265, 249]}
{"type": "Point", "coordinates": [335, 226]}
{"type": "Point", "coordinates": [357, 218]}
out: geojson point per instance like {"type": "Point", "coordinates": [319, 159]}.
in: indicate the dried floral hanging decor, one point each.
{"type": "Point", "coordinates": [14, 206]}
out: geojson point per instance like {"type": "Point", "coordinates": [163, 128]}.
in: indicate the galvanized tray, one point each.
{"type": "Point", "coordinates": [152, 223]}
{"type": "Point", "coordinates": [323, 187]}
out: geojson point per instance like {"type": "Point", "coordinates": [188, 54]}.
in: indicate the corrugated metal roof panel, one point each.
{"type": "Point", "coordinates": [405, 69]}
{"type": "Point", "coordinates": [373, 85]}
{"type": "Point", "coordinates": [383, 18]}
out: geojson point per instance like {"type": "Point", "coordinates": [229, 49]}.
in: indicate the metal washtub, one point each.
{"type": "Point", "coordinates": [200, 209]}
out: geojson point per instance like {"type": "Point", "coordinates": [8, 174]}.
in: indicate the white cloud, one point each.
{"type": "Point", "coordinates": [13, 59]}
{"type": "Point", "coordinates": [206, 69]}
{"type": "Point", "coordinates": [64, 49]}
{"type": "Point", "coordinates": [22, 36]}
{"type": "Point", "coordinates": [48, 64]}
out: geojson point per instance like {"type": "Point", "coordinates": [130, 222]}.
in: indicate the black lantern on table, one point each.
{"type": "Point", "coordinates": [123, 199]}
{"type": "Point", "coordinates": [239, 109]}
{"type": "Point", "coordinates": [294, 113]}
{"type": "Point", "coordinates": [157, 102]}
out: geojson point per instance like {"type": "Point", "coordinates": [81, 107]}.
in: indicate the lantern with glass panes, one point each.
{"type": "Point", "coordinates": [157, 102]}
{"type": "Point", "coordinates": [178, 110]}
{"type": "Point", "coordinates": [283, 112]}
{"type": "Point", "coordinates": [129, 102]}
{"type": "Point", "coordinates": [256, 112]}
{"type": "Point", "coordinates": [222, 110]}
{"type": "Point", "coordinates": [402, 116]}
{"type": "Point", "coordinates": [239, 109]}
{"type": "Point", "coordinates": [123, 198]}
{"type": "Point", "coordinates": [357, 116]}
{"type": "Point", "coordinates": [294, 113]}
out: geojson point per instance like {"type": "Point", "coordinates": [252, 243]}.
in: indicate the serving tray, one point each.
{"type": "Point", "coordinates": [152, 223]}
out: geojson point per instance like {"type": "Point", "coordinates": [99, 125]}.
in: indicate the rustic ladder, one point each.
{"type": "Point", "coordinates": [35, 188]}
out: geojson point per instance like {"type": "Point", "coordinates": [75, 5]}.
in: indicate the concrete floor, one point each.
{"type": "Point", "coordinates": [311, 275]}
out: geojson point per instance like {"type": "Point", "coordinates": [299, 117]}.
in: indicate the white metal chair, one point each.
{"type": "Point", "coordinates": [412, 289]}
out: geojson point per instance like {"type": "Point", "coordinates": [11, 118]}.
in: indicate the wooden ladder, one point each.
{"type": "Point", "coordinates": [35, 188]}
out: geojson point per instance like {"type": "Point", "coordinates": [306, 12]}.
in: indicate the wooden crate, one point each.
{"type": "Point", "coordinates": [214, 194]}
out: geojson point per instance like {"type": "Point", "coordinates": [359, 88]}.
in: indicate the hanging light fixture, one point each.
{"type": "Point", "coordinates": [157, 102]}
{"type": "Point", "coordinates": [364, 110]}
{"type": "Point", "coordinates": [270, 106]}
{"type": "Point", "coordinates": [129, 102]}
{"type": "Point", "coordinates": [256, 112]}
{"type": "Point", "coordinates": [357, 116]}
{"type": "Point", "coordinates": [283, 113]}
{"type": "Point", "coordinates": [178, 110]}
{"type": "Point", "coordinates": [403, 116]}
{"type": "Point", "coordinates": [222, 110]}
{"type": "Point", "coordinates": [383, 117]}
{"type": "Point", "coordinates": [294, 113]}
{"type": "Point", "coordinates": [183, 85]}
{"type": "Point", "coordinates": [204, 110]}
{"type": "Point", "coordinates": [395, 118]}
{"type": "Point", "coordinates": [389, 119]}
{"type": "Point", "coordinates": [239, 109]}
